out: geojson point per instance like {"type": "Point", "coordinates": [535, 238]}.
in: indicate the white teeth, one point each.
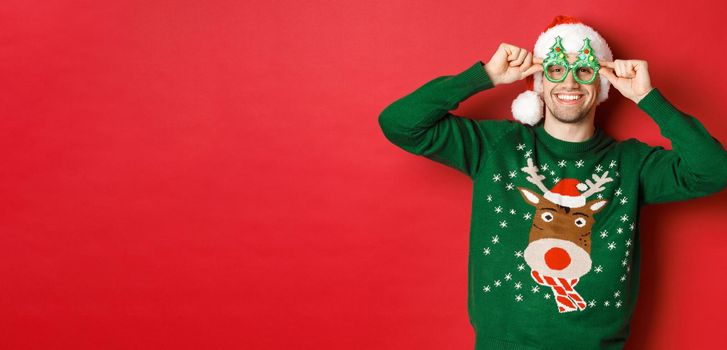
{"type": "Point", "coordinates": [569, 97]}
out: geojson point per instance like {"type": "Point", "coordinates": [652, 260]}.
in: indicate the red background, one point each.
{"type": "Point", "coordinates": [211, 174]}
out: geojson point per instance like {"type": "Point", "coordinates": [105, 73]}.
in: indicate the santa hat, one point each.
{"type": "Point", "coordinates": [528, 106]}
{"type": "Point", "coordinates": [567, 193]}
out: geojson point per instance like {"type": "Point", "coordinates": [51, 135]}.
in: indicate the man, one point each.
{"type": "Point", "coordinates": [554, 250]}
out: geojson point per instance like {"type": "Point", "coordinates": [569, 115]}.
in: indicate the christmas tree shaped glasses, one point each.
{"type": "Point", "coordinates": [556, 65]}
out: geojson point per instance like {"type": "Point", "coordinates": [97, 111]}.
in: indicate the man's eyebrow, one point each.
{"type": "Point", "coordinates": [579, 213]}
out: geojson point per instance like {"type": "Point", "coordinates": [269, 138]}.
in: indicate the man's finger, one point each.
{"type": "Point", "coordinates": [520, 58]}
{"type": "Point", "coordinates": [527, 62]}
{"type": "Point", "coordinates": [537, 60]}
{"type": "Point", "coordinates": [512, 52]}
{"type": "Point", "coordinates": [608, 73]}
{"type": "Point", "coordinates": [532, 70]}
{"type": "Point", "coordinates": [627, 69]}
{"type": "Point", "coordinates": [607, 64]}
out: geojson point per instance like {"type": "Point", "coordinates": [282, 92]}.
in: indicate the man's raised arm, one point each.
{"type": "Point", "coordinates": [421, 123]}
{"type": "Point", "coordinates": [695, 167]}
{"type": "Point", "coordinates": [697, 164]}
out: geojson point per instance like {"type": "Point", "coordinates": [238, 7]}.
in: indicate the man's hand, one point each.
{"type": "Point", "coordinates": [511, 63]}
{"type": "Point", "coordinates": [631, 77]}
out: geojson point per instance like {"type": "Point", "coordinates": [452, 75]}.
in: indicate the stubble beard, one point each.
{"type": "Point", "coordinates": [567, 117]}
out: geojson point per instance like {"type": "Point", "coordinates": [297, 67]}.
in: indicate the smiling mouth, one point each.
{"type": "Point", "coordinates": [569, 99]}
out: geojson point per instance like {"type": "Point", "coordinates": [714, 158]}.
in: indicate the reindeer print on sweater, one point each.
{"type": "Point", "coordinates": [559, 245]}
{"type": "Point", "coordinates": [556, 250]}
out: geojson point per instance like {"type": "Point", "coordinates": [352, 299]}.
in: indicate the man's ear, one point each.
{"type": "Point", "coordinates": [598, 86]}
{"type": "Point", "coordinates": [530, 197]}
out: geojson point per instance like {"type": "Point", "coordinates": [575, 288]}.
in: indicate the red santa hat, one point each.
{"type": "Point", "coordinates": [528, 106]}
{"type": "Point", "coordinates": [567, 192]}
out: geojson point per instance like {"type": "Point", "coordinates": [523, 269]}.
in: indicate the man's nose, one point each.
{"type": "Point", "coordinates": [570, 81]}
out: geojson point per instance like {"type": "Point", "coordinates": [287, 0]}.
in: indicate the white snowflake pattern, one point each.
{"type": "Point", "coordinates": [623, 278]}
{"type": "Point", "coordinates": [546, 296]}
{"type": "Point", "coordinates": [519, 253]}
{"type": "Point", "coordinates": [509, 186]}
{"type": "Point", "coordinates": [489, 198]}
{"type": "Point", "coordinates": [606, 303]}
{"type": "Point", "coordinates": [497, 283]}
{"type": "Point", "coordinates": [599, 269]}
{"type": "Point", "coordinates": [519, 297]}
{"type": "Point", "coordinates": [498, 209]}
{"type": "Point", "coordinates": [512, 174]}
{"type": "Point", "coordinates": [612, 164]}
{"type": "Point", "coordinates": [495, 239]}
{"type": "Point", "coordinates": [486, 289]}
{"type": "Point", "coordinates": [496, 177]}
{"type": "Point", "coordinates": [612, 246]}
{"type": "Point", "coordinates": [618, 192]}
{"type": "Point", "coordinates": [619, 230]}
{"type": "Point", "coordinates": [544, 167]}
{"type": "Point", "coordinates": [561, 163]}
{"type": "Point", "coordinates": [628, 243]}
{"type": "Point", "coordinates": [631, 227]}
{"type": "Point", "coordinates": [526, 216]}
{"type": "Point", "coordinates": [486, 251]}
{"type": "Point", "coordinates": [520, 147]}
{"type": "Point", "coordinates": [592, 303]}
{"type": "Point", "coordinates": [552, 173]}
{"type": "Point", "coordinates": [617, 294]}
{"type": "Point", "coordinates": [508, 277]}
{"type": "Point", "coordinates": [556, 179]}
{"type": "Point", "coordinates": [579, 163]}
{"type": "Point", "coordinates": [624, 262]}
{"type": "Point", "coordinates": [624, 200]}
{"type": "Point", "coordinates": [618, 304]}
{"type": "Point", "coordinates": [599, 196]}
{"type": "Point", "coordinates": [528, 153]}
{"type": "Point", "coordinates": [521, 267]}
{"type": "Point", "coordinates": [513, 212]}
{"type": "Point", "coordinates": [604, 234]}
{"type": "Point", "coordinates": [627, 253]}
{"type": "Point", "coordinates": [518, 285]}
{"type": "Point", "coordinates": [624, 218]}
{"type": "Point", "coordinates": [535, 289]}
{"type": "Point", "coordinates": [503, 223]}
{"type": "Point", "coordinates": [599, 168]}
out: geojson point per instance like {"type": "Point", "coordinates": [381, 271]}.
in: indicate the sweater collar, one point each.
{"type": "Point", "coordinates": [559, 145]}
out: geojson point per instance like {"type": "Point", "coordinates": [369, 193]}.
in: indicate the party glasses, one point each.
{"type": "Point", "coordinates": [556, 65]}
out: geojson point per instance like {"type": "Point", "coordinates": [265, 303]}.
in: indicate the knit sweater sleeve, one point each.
{"type": "Point", "coordinates": [695, 167]}
{"type": "Point", "coordinates": [420, 122]}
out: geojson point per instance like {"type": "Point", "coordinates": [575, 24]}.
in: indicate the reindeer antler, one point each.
{"type": "Point", "coordinates": [536, 179]}
{"type": "Point", "coordinates": [594, 188]}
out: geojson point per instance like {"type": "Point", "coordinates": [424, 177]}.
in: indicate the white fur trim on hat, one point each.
{"type": "Point", "coordinates": [529, 110]}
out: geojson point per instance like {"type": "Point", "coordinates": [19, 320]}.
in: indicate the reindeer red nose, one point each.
{"type": "Point", "coordinates": [557, 258]}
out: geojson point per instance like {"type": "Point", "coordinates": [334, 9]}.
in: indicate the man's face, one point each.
{"type": "Point", "coordinates": [570, 111]}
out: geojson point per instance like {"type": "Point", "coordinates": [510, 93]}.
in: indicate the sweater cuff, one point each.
{"type": "Point", "coordinates": [658, 107]}
{"type": "Point", "coordinates": [476, 77]}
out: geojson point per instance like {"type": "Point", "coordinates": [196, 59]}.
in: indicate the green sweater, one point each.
{"type": "Point", "coordinates": [554, 239]}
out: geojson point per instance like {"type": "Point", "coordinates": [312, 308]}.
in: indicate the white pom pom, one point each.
{"type": "Point", "coordinates": [528, 108]}
{"type": "Point", "coordinates": [581, 186]}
